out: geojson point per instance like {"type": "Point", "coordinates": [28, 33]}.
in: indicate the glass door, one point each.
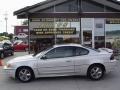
{"type": "Point", "coordinates": [87, 38]}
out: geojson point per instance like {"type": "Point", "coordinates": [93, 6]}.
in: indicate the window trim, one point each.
{"type": "Point", "coordinates": [74, 55]}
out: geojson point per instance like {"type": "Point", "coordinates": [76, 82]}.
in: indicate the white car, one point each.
{"type": "Point", "coordinates": [62, 60]}
{"type": "Point", "coordinates": [20, 35]}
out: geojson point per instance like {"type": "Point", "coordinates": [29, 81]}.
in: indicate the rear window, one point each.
{"type": "Point", "coordinates": [92, 49]}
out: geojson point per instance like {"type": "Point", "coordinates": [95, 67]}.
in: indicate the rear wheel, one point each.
{"type": "Point", "coordinates": [95, 72]}
{"type": "Point", "coordinates": [16, 38]}
{"type": "Point", "coordinates": [24, 74]}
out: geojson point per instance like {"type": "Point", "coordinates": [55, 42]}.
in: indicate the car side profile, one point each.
{"type": "Point", "coordinates": [20, 35]}
{"type": "Point", "coordinates": [62, 60]}
{"type": "Point", "coordinates": [21, 46]}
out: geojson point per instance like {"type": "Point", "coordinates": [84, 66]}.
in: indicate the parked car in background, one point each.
{"type": "Point", "coordinates": [20, 46]}
{"type": "Point", "coordinates": [17, 41]}
{"type": "Point", "coordinates": [62, 60]}
{"type": "Point", "coordinates": [7, 41]}
{"type": "Point", "coordinates": [20, 36]}
{"type": "Point", "coordinates": [6, 50]}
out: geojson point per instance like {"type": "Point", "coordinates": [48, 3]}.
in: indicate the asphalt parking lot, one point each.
{"type": "Point", "coordinates": [111, 81]}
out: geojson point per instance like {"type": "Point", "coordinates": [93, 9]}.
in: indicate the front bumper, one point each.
{"type": "Point", "coordinates": [9, 72]}
{"type": "Point", "coordinates": [111, 66]}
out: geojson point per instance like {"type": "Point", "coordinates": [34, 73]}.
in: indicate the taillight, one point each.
{"type": "Point", "coordinates": [112, 57]}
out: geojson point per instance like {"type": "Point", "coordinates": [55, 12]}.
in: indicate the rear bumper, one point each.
{"type": "Point", "coordinates": [111, 66]}
{"type": "Point", "coordinates": [9, 72]}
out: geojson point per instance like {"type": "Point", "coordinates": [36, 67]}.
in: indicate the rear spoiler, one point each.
{"type": "Point", "coordinates": [106, 50]}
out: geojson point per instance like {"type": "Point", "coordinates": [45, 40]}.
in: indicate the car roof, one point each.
{"type": "Point", "coordinates": [59, 45]}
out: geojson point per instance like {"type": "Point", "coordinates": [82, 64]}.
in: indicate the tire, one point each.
{"type": "Point", "coordinates": [2, 55]}
{"type": "Point", "coordinates": [95, 72]}
{"type": "Point", "coordinates": [24, 74]}
{"type": "Point", "coordinates": [16, 38]}
{"type": "Point", "coordinates": [12, 53]}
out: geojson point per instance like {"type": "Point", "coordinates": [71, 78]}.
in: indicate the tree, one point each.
{"type": "Point", "coordinates": [116, 44]}
{"type": "Point", "coordinates": [10, 36]}
{"type": "Point", "coordinates": [5, 34]}
{"type": "Point", "coordinates": [25, 22]}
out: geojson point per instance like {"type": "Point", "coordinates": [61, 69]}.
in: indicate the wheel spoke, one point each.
{"type": "Point", "coordinates": [26, 71]}
{"type": "Point", "coordinates": [97, 69]}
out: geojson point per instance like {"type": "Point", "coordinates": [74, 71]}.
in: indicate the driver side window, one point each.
{"type": "Point", "coordinates": [60, 52]}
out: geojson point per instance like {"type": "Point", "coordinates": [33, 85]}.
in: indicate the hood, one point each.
{"type": "Point", "coordinates": [22, 58]}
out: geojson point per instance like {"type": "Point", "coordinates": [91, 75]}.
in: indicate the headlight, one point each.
{"type": "Point", "coordinates": [10, 66]}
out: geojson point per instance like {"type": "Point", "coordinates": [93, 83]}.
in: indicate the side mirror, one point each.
{"type": "Point", "coordinates": [44, 57]}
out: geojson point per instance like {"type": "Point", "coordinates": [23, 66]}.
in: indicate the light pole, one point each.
{"type": "Point", "coordinates": [55, 40]}
{"type": "Point", "coordinates": [6, 18]}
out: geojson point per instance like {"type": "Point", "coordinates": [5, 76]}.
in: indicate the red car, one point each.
{"type": "Point", "coordinates": [20, 46]}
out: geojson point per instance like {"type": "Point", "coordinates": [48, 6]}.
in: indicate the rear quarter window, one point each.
{"type": "Point", "coordinates": [93, 49]}
{"type": "Point", "coordinates": [81, 51]}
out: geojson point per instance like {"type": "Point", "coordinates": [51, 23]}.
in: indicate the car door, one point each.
{"type": "Point", "coordinates": [58, 61]}
{"type": "Point", "coordinates": [18, 46]}
{"type": "Point", "coordinates": [81, 60]}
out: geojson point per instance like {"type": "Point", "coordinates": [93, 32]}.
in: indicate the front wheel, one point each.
{"type": "Point", "coordinates": [95, 72]}
{"type": "Point", "coordinates": [12, 53]}
{"type": "Point", "coordinates": [24, 74]}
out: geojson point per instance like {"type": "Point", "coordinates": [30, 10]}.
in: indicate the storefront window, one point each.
{"type": "Point", "coordinates": [49, 31]}
{"type": "Point", "coordinates": [112, 27]}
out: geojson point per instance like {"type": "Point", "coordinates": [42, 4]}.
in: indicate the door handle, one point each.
{"type": "Point", "coordinates": [68, 61]}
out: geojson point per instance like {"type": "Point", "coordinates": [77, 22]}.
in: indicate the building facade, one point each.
{"type": "Point", "coordinates": [69, 21]}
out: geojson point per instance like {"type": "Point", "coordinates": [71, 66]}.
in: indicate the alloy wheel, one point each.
{"type": "Point", "coordinates": [25, 75]}
{"type": "Point", "coordinates": [96, 72]}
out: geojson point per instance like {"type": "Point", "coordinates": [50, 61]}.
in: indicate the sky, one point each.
{"type": "Point", "coordinates": [8, 7]}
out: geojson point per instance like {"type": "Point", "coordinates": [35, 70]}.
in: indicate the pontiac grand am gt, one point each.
{"type": "Point", "coordinates": [62, 60]}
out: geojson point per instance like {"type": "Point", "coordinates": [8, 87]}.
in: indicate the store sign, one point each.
{"type": "Point", "coordinates": [54, 19]}
{"type": "Point", "coordinates": [113, 21]}
{"type": "Point", "coordinates": [52, 31]}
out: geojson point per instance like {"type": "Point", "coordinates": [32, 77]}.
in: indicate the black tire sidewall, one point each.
{"type": "Point", "coordinates": [89, 70]}
{"type": "Point", "coordinates": [12, 53]}
{"type": "Point", "coordinates": [17, 74]}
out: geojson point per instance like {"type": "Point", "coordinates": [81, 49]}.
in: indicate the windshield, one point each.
{"type": "Point", "coordinates": [35, 54]}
